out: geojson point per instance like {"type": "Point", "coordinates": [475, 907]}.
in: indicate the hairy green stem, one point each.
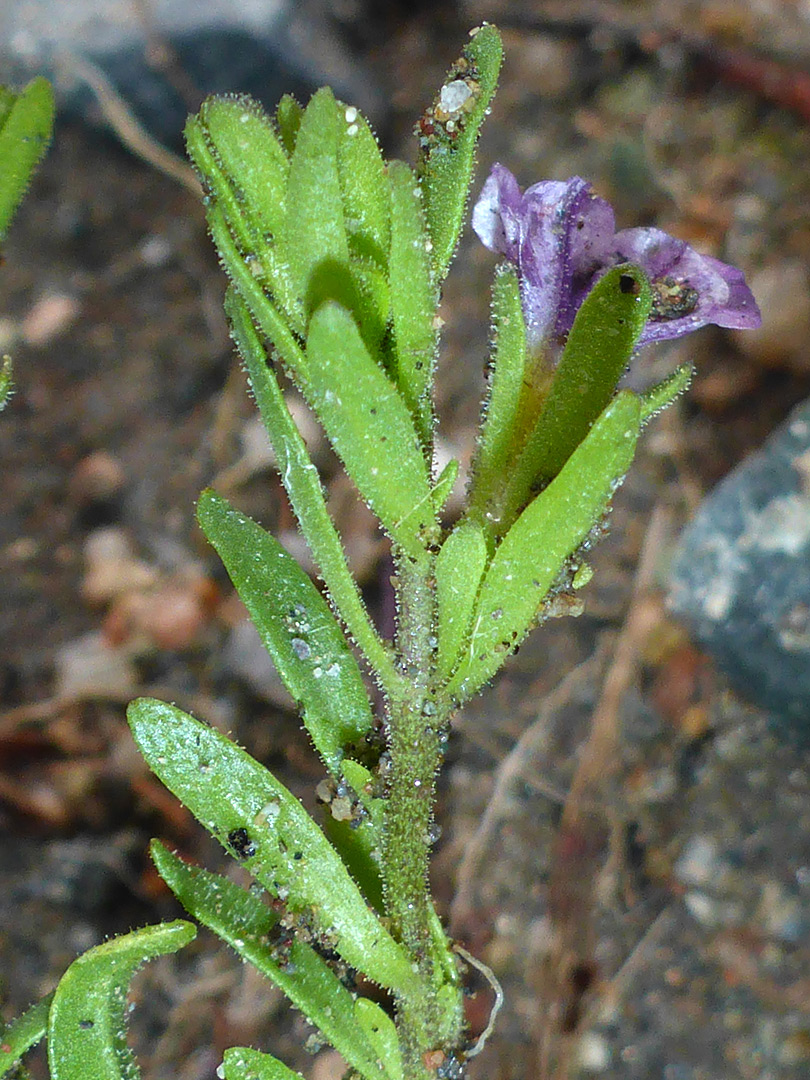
{"type": "Point", "coordinates": [414, 737]}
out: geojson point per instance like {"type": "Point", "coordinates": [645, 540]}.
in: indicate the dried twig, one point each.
{"type": "Point", "coordinates": [126, 125]}
{"type": "Point", "coordinates": [533, 740]}
{"type": "Point", "coordinates": [489, 975]}
{"type": "Point", "coordinates": [569, 970]}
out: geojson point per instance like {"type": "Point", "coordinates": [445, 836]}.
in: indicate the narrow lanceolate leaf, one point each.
{"type": "Point", "coordinates": [243, 140]}
{"type": "Point", "coordinates": [252, 928]}
{"type": "Point", "coordinates": [263, 310]}
{"type": "Point", "coordinates": [599, 348]}
{"type": "Point", "coordinates": [450, 1002]}
{"type": "Point", "coordinates": [448, 133]}
{"type": "Point", "coordinates": [244, 1063]}
{"type": "Point", "coordinates": [23, 1033]}
{"type": "Point", "coordinates": [500, 436]}
{"type": "Point", "coordinates": [7, 99]}
{"type": "Point", "coordinates": [381, 1032]}
{"type": "Point", "coordinates": [296, 626]}
{"type": "Point", "coordinates": [357, 837]}
{"type": "Point", "coordinates": [459, 570]}
{"type": "Point", "coordinates": [86, 1030]}
{"type": "Point", "coordinates": [361, 171]}
{"type": "Point", "coordinates": [258, 821]}
{"type": "Point", "coordinates": [442, 950]}
{"type": "Point", "coordinates": [414, 299]}
{"type": "Point", "coordinates": [26, 121]}
{"type": "Point", "coordinates": [314, 232]}
{"type": "Point", "coordinates": [443, 488]}
{"type": "Point", "coordinates": [300, 478]}
{"type": "Point", "coordinates": [244, 169]}
{"type": "Point", "coordinates": [368, 295]}
{"type": "Point", "coordinates": [369, 425]}
{"type": "Point", "coordinates": [664, 393]}
{"type": "Point", "coordinates": [288, 121]}
{"type": "Point", "coordinates": [550, 529]}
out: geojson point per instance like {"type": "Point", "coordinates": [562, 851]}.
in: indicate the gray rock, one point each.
{"type": "Point", "coordinates": [261, 47]}
{"type": "Point", "coordinates": [741, 575]}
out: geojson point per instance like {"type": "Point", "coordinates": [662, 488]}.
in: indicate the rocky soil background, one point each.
{"type": "Point", "coordinates": [679, 699]}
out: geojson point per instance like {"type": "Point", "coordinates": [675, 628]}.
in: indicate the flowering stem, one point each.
{"type": "Point", "coordinates": [414, 723]}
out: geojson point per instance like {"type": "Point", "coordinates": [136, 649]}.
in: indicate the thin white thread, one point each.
{"type": "Point", "coordinates": [489, 975]}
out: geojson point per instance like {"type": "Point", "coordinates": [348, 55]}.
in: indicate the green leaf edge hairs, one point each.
{"type": "Point", "coordinates": [335, 260]}
{"type": "Point", "coordinates": [26, 125]}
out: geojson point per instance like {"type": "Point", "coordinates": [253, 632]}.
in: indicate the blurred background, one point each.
{"type": "Point", "coordinates": [684, 930]}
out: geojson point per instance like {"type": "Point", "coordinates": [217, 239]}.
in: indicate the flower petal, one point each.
{"type": "Point", "coordinates": [562, 239]}
{"type": "Point", "coordinates": [497, 213]}
{"type": "Point", "coordinates": [691, 290]}
{"type": "Point", "coordinates": [558, 233]}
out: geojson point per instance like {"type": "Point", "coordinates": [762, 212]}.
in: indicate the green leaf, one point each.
{"type": "Point", "coordinates": [381, 1032]}
{"type": "Point", "coordinates": [365, 292]}
{"type": "Point", "coordinates": [443, 488]}
{"type": "Point", "coordinates": [7, 99]}
{"type": "Point", "coordinates": [6, 382]}
{"type": "Point", "coordinates": [450, 1002]}
{"type": "Point", "coordinates": [23, 1033]}
{"type": "Point", "coordinates": [266, 314]}
{"type": "Point", "coordinates": [243, 1063]}
{"type": "Point", "coordinates": [244, 170]}
{"type": "Point", "coordinates": [551, 528]}
{"type": "Point", "coordinates": [26, 122]}
{"type": "Point", "coordinates": [250, 927]}
{"type": "Point", "coordinates": [288, 121]}
{"type": "Point", "coordinates": [500, 437]}
{"type": "Point", "coordinates": [459, 569]}
{"type": "Point", "coordinates": [300, 478]}
{"type": "Point", "coordinates": [448, 139]}
{"type": "Point", "coordinates": [86, 1028]}
{"type": "Point", "coordinates": [361, 170]}
{"type": "Point", "coordinates": [358, 839]}
{"type": "Point", "coordinates": [449, 993]}
{"type": "Point", "coordinates": [599, 348]}
{"type": "Point", "coordinates": [257, 819]}
{"type": "Point", "coordinates": [370, 427]}
{"type": "Point", "coordinates": [296, 626]}
{"type": "Point", "coordinates": [664, 393]}
{"type": "Point", "coordinates": [242, 138]}
{"type": "Point", "coordinates": [314, 230]}
{"type": "Point", "coordinates": [414, 299]}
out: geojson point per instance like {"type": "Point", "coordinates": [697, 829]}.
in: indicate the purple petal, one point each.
{"type": "Point", "coordinates": [497, 213]}
{"type": "Point", "coordinates": [558, 233]}
{"type": "Point", "coordinates": [561, 238]}
{"type": "Point", "coordinates": [690, 290]}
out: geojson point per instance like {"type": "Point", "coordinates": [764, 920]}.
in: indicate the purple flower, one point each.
{"type": "Point", "coordinates": [562, 238]}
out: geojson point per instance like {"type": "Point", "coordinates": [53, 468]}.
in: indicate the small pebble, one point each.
{"type": "Point", "coordinates": [168, 616]}
{"type": "Point", "coordinates": [698, 864]}
{"type": "Point", "coordinates": [155, 250]}
{"type": "Point", "coordinates": [781, 914]}
{"type": "Point", "coordinates": [112, 567]}
{"type": "Point", "coordinates": [594, 1053]}
{"type": "Point", "coordinates": [328, 1065]}
{"type": "Point", "coordinates": [783, 294]}
{"type": "Point", "coordinates": [98, 476]}
{"type": "Point", "coordinates": [454, 95]}
{"type": "Point", "coordinates": [49, 317]}
{"type": "Point", "coordinates": [88, 666]}
{"type": "Point", "coordinates": [547, 64]}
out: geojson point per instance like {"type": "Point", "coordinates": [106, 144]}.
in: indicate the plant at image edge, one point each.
{"type": "Point", "coordinates": [336, 259]}
{"type": "Point", "coordinates": [26, 123]}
